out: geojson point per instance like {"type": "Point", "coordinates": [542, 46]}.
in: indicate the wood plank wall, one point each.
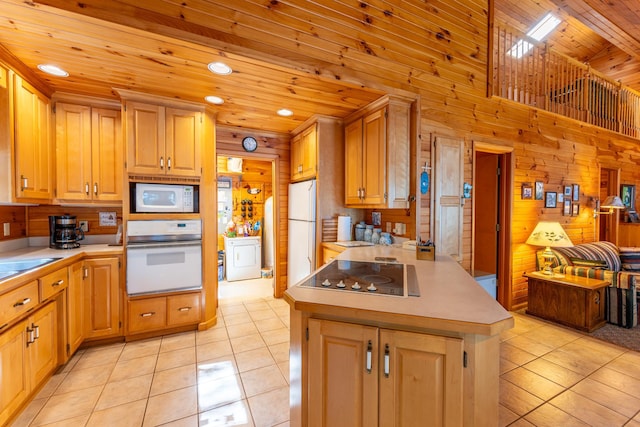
{"type": "Point", "coordinates": [16, 216]}
{"type": "Point", "coordinates": [38, 218]}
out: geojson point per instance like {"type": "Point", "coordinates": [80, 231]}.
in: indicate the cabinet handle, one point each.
{"type": "Point", "coordinates": [386, 360]}
{"type": "Point", "coordinates": [86, 188]}
{"type": "Point", "coordinates": [30, 339]}
{"type": "Point", "coordinates": [168, 163]}
{"type": "Point", "coordinates": [149, 314]}
{"type": "Point", "coordinates": [25, 182]}
{"type": "Point", "coordinates": [161, 162]}
{"type": "Point", "coordinates": [364, 193]}
{"type": "Point", "coordinates": [368, 363]}
{"type": "Point", "coordinates": [23, 302]}
{"type": "Point", "coordinates": [597, 298]}
{"type": "Point", "coordinates": [95, 188]}
{"type": "Point", "coordinates": [299, 168]}
{"type": "Point", "coordinates": [184, 309]}
{"type": "Point", "coordinates": [58, 283]}
{"type": "Point", "coordinates": [85, 272]}
{"type": "Point", "coordinates": [36, 330]}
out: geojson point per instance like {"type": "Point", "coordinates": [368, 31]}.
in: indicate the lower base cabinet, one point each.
{"type": "Point", "coordinates": [155, 313]}
{"type": "Point", "coordinates": [367, 376]}
{"type": "Point", "coordinates": [102, 297]}
{"type": "Point", "coordinates": [28, 354]}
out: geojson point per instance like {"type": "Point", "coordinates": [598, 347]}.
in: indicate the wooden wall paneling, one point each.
{"type": "Point", "coordinates": [16, 216]}
{"type": "Point", "coordinates": [38, 218]}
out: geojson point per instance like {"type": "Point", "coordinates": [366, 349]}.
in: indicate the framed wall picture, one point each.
{"type": "Point", "coordinates": [628, 196]}
{"type": "Point", "coordinates": [566, 207]}
{"type": "Point", "coordinates": [539, 193]}
{"type": "Point", "coordinates": [560, 197]}
{"type": "Point", "coordinates": [567, 191]}
{"type": "Point", "coordinates": [527, 190]}
{"type": "Point", "coordinates": [576, 192]}
{"type": "Point", "coordinates": [575, 209]}
{"type": "Point", "coordinates": [550, 199]}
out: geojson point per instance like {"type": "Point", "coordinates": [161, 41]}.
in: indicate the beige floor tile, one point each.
{"type": "Point", "coordinates": [236, 414]}
{"type": "Point", "coordinates": [506, 365]}
{"type": "Point", "coordinates": [213, 350]}
{"type": "Point", "coordinates": [617, 380]}
{"type": "Point", "coordinates": [191, 421]}
{"type": "Point", "coordinates": [125, 391]}
{"type": "Point", "coordinates": [608, 349]}
{"type": "Point", "coordinates": [79, 379]}
{"type": "Point", "coordinates": [175, 358]}
{"type": "Point", "coordinates": [286, 321]}
{"type": "Point", "coordinates": [178, 341]}
{"type": "Point", "coordinates": [257, 305]}
{"type": "Point", "coordinates": [506, 416]}
{"type": "Point", "coordinates": [553, 336]}
{"type": "Point", "coordinates": [212, 335]}
{"type": "Point", "coordinates": [29, 413]}
{"type": "Point", "coordinates": [580, 363]}
{"type": "Point", "coordinates": [127, 415]}
{"type": "Point", "coordinates": [276, 336]}
{"type": "Point", "coordinates": [262, 315]}
{"type": "Point", "coordinates": [209, 370]}
{"type": "Point", "coordinates": [284, 424]}
{"type": "Point", "coordinates": [79, 421]}
{"type": "Point", "coordinates": [587, 410]}
{"type": "Point", "coordinates": [133, 368]}
{"type": "Point", "coordinates": [533, 383]}
{"type": "Point", "coordinates": [50, 386]}
{"type": "Point", "coordinates": [284, 370]}
{"type": "Point", "coordinates": [262, 380]}
{"type": "Point", "coordinates": [269, 324]}
{"type": "Point", "coordinates": [90, 359]}
{"type": "Point", "coordinates": [173, 379]}
{"type": "Point", "coordinates": [515, 354]}
{"type": "Point", "coordinates": [242, 330]}
{"type": "Point", "coordinates": [220, 392]}
{"type": "Point", "coordinates": [271, 408]}
{"type": "Point", "coordinates": [530, 345]}
{"type": "Point", "coordinates": [71, 363]}
{"type": "Point", "coordinates": [628, 363]}
{"type": "Point", "coordinates": [556, 373]}
{"type": "Point", "coordinates": [233, 309]}
{"type": "Point", "coordinates": [133, 350]}
{"type": "Point", "coordinates": [522, 423]}
{"type": "Point", "coordinates": [254, 359]}
{"type": "Point", "coordinates": [587, 349]}
{"type": "Point", "coordinates": [280, 352]}
{"type": "Point", "coordinates": [607, 396]}
{"type": "Point", "coordinates": [517, 399]}
{"type": "Point", "coordinates": [171, 406]}
{"type": "Point", "coordinates": [69, 405]}
{"type": "Point", "coordinates": [247, 342]}
{"type": "Point", "coordinates": [237, 319]}
{"type": "Point", "coordinates": [549, 415]}
{"type": "Point", "coordinates": [632, 423]}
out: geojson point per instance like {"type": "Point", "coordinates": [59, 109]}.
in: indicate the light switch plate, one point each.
{"type": "Point", "coordinates": [7, 228]}
{"type": "Point", "coordinates": [84, 225]}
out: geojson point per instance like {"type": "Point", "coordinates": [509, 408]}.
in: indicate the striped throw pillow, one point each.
{"type": "Point", "coordinates": [630, 259]}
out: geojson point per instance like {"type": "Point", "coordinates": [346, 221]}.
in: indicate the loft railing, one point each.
{"type": "Point", "coordinates": [551, 81]}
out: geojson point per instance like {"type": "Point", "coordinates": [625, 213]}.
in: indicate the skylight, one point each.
{"type": "Point", "coordinates": [538, 32]}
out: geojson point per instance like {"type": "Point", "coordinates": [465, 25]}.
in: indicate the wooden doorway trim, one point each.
{"type": "Point", "coordinates": [610, 222]}
{"type": "Point", "coordinates": [506, 162]}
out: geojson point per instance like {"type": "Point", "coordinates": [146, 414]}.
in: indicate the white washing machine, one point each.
{"type": "Point", "coordinates": [243, 257]}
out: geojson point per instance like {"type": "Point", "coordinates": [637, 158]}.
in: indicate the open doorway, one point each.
{"type": "Point", "coordinates": [608, 224]}
{"type": "Point", "coordinates": [493, 182]}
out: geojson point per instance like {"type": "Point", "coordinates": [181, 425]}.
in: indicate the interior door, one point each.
{"type": "Point", "coordinates": [449, 203]}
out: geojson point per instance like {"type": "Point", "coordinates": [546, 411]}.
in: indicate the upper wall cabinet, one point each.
{"type": "Point", "coordinates": [377, 152]}
{"type": "Point", "coordinates": [32, 147]}
{"type": "Point", "coordinates": [88, 153]}
{"type": "Point", "coordinates": [304, 154]}
{"type": "Point", "coordinates": [163, 139]}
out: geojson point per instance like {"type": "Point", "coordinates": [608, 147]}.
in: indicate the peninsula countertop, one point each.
{"type": "Point", "coordinates": [450, 299]}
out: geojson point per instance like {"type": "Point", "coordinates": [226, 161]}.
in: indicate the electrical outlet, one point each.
{"type": "Point", "coordinates": [84, 226]}
{"type": "Point", "coordinates": [7, 228]}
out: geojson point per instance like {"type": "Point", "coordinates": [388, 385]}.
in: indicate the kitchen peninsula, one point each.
{"type": "Point", "coordinates": [358, 359]}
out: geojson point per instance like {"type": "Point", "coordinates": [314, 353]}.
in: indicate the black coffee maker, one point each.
{"type": "Point", "coordinates": [64, 232]}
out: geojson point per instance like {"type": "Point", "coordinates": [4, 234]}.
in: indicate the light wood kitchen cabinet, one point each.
{"type": "Point", "coordinates": [304, 154]}
{"type": "Point", "coordinates": [53, 283]}
{"type": "Point", "coordinates": [367, 376]}
{"type": "Point", "coordinates": [75, 308]}
{"type": "Point", "coordinates": [32, 147]}
{"type": "Point", "coordinates": [377, 152]}
{"type": "Point", "coordinates": [88, 153]}
{"type": "Point", "coordinates": [102, 297]}
{"type": "Point", "coordinates": [161, 312]}
{"type": "Point", "coordinates": [163, 140]}
{"type": "Point", "coordinates": [43, 345]}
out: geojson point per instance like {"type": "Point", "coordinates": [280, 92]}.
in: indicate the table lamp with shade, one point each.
{"type": "Point", "coordinates": [550, 235]}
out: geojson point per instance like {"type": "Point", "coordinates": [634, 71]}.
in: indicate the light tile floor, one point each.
{"type": "Point", "coordinates": [237, 374]}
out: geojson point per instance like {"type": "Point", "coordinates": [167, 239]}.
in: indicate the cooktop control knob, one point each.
{"type": "Point", "coordinates": [356, 286]}
{"type": "Point", "coordinates": [341, 285]}
{"type": "Point", "coordinates": [372, 288]}
{"type": "Point", "coordinates": [326, 283]}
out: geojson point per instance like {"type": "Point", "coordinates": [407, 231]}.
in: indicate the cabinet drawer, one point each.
{"type": "Point", "coordinates": [18, 301]}
{"type": "Point", "coordinates": [53, 283]}
{"type": "Point", "coordinates": [147, 314]}
{"type": "Point", "coordinates": [183, 309]}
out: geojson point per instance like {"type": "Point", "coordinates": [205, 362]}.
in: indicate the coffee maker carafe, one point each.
{"type": "Point", "coordinates": [64, 232]}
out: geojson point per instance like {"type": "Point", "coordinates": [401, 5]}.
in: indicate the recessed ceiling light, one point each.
{"type": "Point", "coordinates": [214, 99]}
{"type": "Point", "coordinates": [284, 112]}
{"type": "Point", "coordinates": [219, 68]}
{"type": "Point", "coordinates": [54, 70]}
{"type": "Point", "coordinates": [544, 27]}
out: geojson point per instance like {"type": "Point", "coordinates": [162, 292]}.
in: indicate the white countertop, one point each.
{"type": "Point", "coordinates": [450, 299]}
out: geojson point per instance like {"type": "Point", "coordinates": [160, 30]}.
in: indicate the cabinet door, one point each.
{"type": "Point", "coordinates": [296, 158]}
{"type": "Point", "coordinates": [106, 149]}
{"type": "Point", "coordinates": [32, 148]}
{"type": "Point", "coordinates": [374, 158]}
{"type": "Point", "coordinates": [183, 309]}
{"type": "Point", "coordinates": [183, 134]}
{"type": "Point", "coordinates": [102, 297]}
{"type": "Point", "coordinates": [75, 308]}
{"type": "Point", "coordinates": [343, 374]}
{"type": "Point", "coordinates": [42, 348]}
{"type": "Point", "coordinates": [145, 138]}
{"type": "Point", "coordinates": [422, 385]}
{"type": "Point", "coordinates": [73, 151]}
{"type": "Point", "coordinates": [13, 370]}
{"type": "Point", "coordinates": [309, 154]}
{"type": "Point", "coordinates": [353, 163]}
{"type": "Point", "coordinates": [148, 314]}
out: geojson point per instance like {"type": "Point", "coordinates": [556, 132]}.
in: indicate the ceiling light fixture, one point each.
{"type": "Point", "coordinates": [54, 70]}
{"type": "Point", "coordinates": [285, 113]}
{"type": "Point", "coordinates": [214, 100]}
{"type": "Point", "coordinates": [219, 68]}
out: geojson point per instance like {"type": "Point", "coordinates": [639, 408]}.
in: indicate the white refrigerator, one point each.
{"type": "Point", "coordinates": [302, 231]}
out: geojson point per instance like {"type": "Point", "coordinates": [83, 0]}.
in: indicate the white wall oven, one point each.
{"type": "Point", "coordinates": [163, 256]}
{"type": "Point", "coordinates": [163, 198]}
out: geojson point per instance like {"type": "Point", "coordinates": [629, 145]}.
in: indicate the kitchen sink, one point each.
{"type": "Point", "coordinates": [12, 268]}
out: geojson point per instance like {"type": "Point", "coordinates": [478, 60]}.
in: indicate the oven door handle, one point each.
{"type": "Point", "coordinates": [136, 246]}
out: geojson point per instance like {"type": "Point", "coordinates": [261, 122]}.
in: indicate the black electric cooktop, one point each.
{"type": "Point", "coordinates": [367, 277]}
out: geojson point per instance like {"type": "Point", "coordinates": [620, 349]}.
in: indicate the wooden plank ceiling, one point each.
{"type": "Point", "coordinates": [153, 53]}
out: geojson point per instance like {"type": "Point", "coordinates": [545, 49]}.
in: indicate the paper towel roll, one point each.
{"type": "Point", "coordinates": [344, 228]}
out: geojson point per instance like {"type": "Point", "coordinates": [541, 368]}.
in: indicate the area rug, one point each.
{"type": "Point", "coordinates": [628, 338]}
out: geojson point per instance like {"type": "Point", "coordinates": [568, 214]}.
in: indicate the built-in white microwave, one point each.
{"type": "Point", "coordinates": [163, 198]}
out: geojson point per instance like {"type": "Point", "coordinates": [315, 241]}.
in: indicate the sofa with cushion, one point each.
{"type": "Point", "coordinates": [603, 260]}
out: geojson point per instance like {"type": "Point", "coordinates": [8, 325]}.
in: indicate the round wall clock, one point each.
{"type": "Point", "coordinates": [249, 143]}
